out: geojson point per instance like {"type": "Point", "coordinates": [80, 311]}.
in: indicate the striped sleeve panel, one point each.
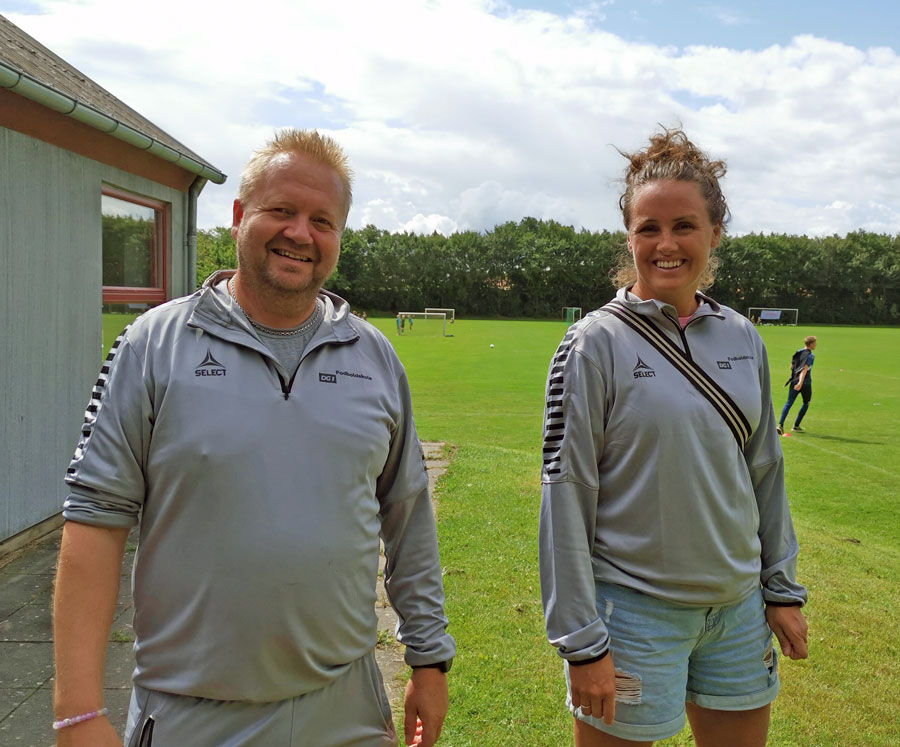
{"type": "Point", "coordinates": [90, 414]}
{"type": "Point", "coordinates": [554, 421]}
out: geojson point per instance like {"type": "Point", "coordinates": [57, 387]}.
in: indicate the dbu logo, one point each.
{"type": "Point", "coordinates": [328, 378]}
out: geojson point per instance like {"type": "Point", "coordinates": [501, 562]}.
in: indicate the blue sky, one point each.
{"type": "Point", "coordinates": [461, 114]}
{"type": "Point", "coordinates": [749, 24]}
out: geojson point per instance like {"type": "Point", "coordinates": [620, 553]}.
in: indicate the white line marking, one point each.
{"type": "Point", "coordinates": [805, 442]}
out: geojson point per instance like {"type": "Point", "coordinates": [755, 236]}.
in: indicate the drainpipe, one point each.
{"type": "Point", "coordinates": [190, 237]}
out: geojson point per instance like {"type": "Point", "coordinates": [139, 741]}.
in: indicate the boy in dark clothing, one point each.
{"type": "Point", "coordinates": [800, 382]}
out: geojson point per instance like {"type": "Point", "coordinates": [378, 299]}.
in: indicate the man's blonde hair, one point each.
{"type": "Point", "coordinates": [290, 141]}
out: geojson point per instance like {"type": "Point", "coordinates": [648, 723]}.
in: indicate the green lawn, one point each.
{"type": "Point", "coordinates": [843, 481]}
{"type": "Point", "coordinates": [113, 324]}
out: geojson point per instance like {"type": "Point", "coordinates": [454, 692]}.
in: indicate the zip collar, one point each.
{"type": "Point", "coordinates": [661, 310]}
{"type": "Point", "coordinates": [211, 315]}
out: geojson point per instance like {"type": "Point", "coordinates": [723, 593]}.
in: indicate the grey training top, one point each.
{"type": "Point", "coordinates": [644, 484]}
{"type": "Point", "coordinates": [261, 499]}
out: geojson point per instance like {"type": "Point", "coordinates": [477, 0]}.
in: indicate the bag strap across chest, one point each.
{"type": "Point", "coordinates": [698, 378]}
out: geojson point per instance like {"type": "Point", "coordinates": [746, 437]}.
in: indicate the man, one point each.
{"type": "Point", "coordinates": [264, 439]}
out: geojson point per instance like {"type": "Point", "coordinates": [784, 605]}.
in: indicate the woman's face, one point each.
{"type": "Point", "coordinates": [670, 236]}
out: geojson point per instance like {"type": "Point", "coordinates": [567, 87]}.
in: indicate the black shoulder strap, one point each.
{"type": "Point", "coordinates": [702, 381]}
{"type": "Point", "coordinates": [799, 359]}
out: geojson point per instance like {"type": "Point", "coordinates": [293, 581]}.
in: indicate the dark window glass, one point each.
{"type": "Point", "coordinates": [130, 244]}
{"type": "Point", "coordinates": [134, 248]}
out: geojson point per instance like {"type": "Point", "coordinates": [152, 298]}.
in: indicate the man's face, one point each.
{"type": "Point", "coordinates": [288, 232]}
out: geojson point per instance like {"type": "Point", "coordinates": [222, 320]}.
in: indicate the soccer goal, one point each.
{"type": "Point", "coordinates": [571, 314]}
{"type": "Point", "coordinates": [423, 323]}
{"type": "Point", "coordinates": [451, 313]}
{"type": "Point", "coordinates": [762, 315]}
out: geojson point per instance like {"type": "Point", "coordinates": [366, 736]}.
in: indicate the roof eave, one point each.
{"type": "Point", "coordinates": [24, 85]}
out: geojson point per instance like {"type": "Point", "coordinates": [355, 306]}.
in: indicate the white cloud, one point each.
{"type": "Point", "coordinates": [490, 203]}
{"type": "Point", "coordinates": [456, 115]}
{"type": "Point", "coordinates": [429, 224]}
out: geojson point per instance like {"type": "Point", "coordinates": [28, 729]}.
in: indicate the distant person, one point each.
{"type": "Point", "coordinates": [402, 323]}
{"type": "Point", "coordinates": [399, 322]}
{"type": "Point", "coordinates": [667, 552]}
{"type": "Point", "coordinates": [262, 438]}
{"type": "Point", "coordinates": [800, 382]}
{"type": "Point", "coordinates": [410, 320]}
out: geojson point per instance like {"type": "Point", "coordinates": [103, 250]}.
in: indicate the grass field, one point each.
{"type": "Point", "coordinates": [843, 481]}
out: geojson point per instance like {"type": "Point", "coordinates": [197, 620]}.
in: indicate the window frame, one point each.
{"type": "Point", "coordinates": [157, 294]}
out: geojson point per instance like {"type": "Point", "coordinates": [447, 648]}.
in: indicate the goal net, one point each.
{"type": "Point", "coordinates": [571, 314]}
{"type": "Point", "coordinates": [451, 313]}
{"type": "Point", "coordinates": [763, 315]}
{"type": "Point", "coordinates": [423, 323]}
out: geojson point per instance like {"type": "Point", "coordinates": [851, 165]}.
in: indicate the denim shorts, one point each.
{"type": "Point", "coordinates": [666, 654]}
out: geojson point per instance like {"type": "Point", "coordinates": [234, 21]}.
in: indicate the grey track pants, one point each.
{"type": "Point", "coordinates": [350, 712]}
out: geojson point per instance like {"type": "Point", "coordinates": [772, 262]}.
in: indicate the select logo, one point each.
{"type": "Point", "coordinates": [724, 364]}
{"type": "Point", "coordinates": [209, 366]}
{"type": "Point", "coordinates": [328, 378]}
{"type": "Point", "coordinates": [642, 371]}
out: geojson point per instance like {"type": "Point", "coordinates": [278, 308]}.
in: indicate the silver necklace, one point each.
{"type": "Point", "coordinates": [313, 320]}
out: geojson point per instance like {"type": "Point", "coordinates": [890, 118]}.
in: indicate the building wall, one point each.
{"type": "Point", "coordinates": [50, 298]}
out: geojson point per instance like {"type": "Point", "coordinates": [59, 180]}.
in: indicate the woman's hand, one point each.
{"type": "Point", "coordinates": [789, 627]}
{"type": "Point", "coordinates": [593, 688]}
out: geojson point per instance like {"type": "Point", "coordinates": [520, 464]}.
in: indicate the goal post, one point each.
{"type": "Point", "coordinates": [765, 315]}
{"type": "Point", "coordinates": [423, 323]}
{"type": "Point", "coordinates": [451, 313]}
{"type": "Point", "coordinates": [571, 314]}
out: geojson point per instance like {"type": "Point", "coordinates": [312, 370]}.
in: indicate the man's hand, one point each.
{"type": "Point", "coordinates": [97, 732]}
{"type": "Point", "coordinates": [594, 688]}
{"type": "Point", "coordinates": [789, 627]}
{"type": "Point", "coordinates": [425, 706]}
{"type": "Point", "coordinates": [798, 386]}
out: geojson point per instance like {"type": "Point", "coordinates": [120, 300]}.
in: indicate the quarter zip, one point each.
{"type": "Point", "coordinates": [243, 339]}
{"type": "Point", "coordinates": [214, 321]}
{"type": "Point", "coordinates": [286, 388]}
{"type": "Point", "coordinates": [681, 334]}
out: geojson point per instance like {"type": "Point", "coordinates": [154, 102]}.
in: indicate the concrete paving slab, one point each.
{"type": "Point", "coordinates": [37, 559]}
{"type": "Point", "coordinates": [119, 666]}
{"type": "Point", "coordinates": [31, 622]}
{"type": "Point", "coordinates": [20, 589]}
{"type": "Point", "coordinates": [12, 699]}
{"type": "Point", "coordinates": [25, 666]}
{"type": "Point", "coordinates": [44, 595]}
{"type": "Point", "coordinates": [29, 725]}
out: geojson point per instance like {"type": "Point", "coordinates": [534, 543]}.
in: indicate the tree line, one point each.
{"type": "Point", "coordinates": [533, 268]}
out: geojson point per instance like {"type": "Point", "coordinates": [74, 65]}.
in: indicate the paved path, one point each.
{"type": "Point", "coordinates": [26, 642]}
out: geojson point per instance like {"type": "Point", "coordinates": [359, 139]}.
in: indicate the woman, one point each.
{"type": "Point", "coordinates": [667, 554]}
{"type": "Point", "coordinates": [800, 382]}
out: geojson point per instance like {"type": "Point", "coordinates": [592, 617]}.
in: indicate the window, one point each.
{"type": "Point", "coordinates": [134, 249]}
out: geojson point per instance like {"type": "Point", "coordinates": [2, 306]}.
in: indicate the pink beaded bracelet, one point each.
{"type": "Point", "coordinates": [78, 719]}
